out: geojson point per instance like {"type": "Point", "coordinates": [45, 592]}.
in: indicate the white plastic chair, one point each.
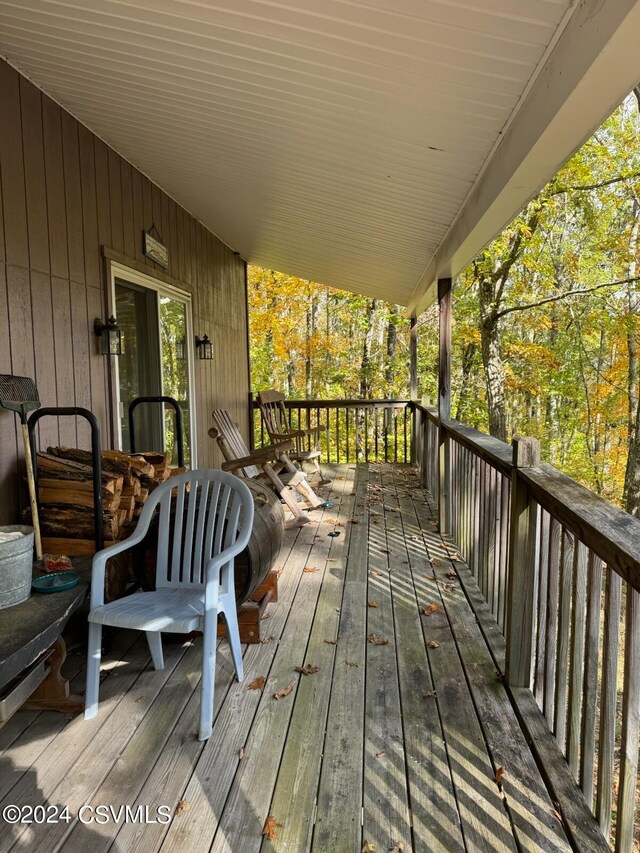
{"type": "Point", "coordinates": [211, 524]}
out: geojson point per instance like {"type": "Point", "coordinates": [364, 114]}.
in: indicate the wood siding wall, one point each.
{"type": "Point", "coordinates": [66, 200]}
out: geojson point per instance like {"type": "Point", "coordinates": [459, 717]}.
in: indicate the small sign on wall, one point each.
{"type": "Point", "coordinates": [155, 250]}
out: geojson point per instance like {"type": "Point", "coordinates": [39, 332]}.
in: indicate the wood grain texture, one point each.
{"type": "Point", "coordinates": [66, 198]}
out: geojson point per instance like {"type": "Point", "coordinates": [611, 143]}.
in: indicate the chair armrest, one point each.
{"type": "Point", "coordinates": [256, 457]}
{"type": "Point", "coordinates": [99, 565]}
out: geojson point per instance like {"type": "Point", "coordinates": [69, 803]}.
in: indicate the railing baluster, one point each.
{"type": "Point", "coordinates": [543, 580]}
{"type": "Point", "coordinates": [576, 660]}
{"type": "Point", "coordinates": [590, 683]}
{"type": "Point", "coordinates": [608, 700]}
{"type": "Point", "coordinates": [630, 724]}
{"type": "Point", "coordinates": [564, 629]}
{"type": "Point", "coordinates": [491, 539]}
{"type": "Point", "coordinates": [555, 535]}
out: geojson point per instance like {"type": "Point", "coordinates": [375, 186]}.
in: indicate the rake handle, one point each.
{"type": "Point", "coordinates": [32, 490]}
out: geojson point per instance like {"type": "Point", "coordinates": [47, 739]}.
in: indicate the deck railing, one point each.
{"type": "Point", "coordinates": [355, 430]}
{"type": "Point", "coordinates": [560, 569]}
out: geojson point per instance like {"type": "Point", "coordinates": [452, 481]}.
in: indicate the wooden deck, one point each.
{"type": "Point", "coordinates": [398, 740]}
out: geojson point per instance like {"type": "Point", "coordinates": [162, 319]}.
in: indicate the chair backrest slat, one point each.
{"type": "Point", "coordinates": [223, 505]}
{"type": "Point", "coordinates": [231, 442]}
{"type": "Point", "coordinates": [178, 528]}
{"type": "Point", "coordinates": [186, 577]}
{"type": "Point", "coordinates": [198, 539]}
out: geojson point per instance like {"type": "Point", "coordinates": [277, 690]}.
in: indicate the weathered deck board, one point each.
{"type": "Point", "coordinates": [389, 744]}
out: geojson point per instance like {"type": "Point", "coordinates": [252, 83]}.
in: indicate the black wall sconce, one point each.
{"type": "Point", "coordinates": [204, 348]}
{"type": "Point", "coordinates": [110, 336]}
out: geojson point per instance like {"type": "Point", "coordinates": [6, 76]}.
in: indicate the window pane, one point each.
{"type": "Point", "coordinates": [175, 372]}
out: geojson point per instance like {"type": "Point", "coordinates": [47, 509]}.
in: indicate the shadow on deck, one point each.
{"type": "Point", "coordinates": [403, 739]}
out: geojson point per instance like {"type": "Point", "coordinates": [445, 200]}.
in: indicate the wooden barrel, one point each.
{"type": "Point", "coordinates": [251, 566]}
{"type": "Point", "coordinates": [256, 561]}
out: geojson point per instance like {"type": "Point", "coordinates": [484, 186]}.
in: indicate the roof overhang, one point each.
{"type": "Point", "coordinates": [595, 63]}
{"type": "Point", "coordinates": [373, 145]}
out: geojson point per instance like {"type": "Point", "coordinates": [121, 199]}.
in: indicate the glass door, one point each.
{"type": "Point", "coordinates": [154, 362]}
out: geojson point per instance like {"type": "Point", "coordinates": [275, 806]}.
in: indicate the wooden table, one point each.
{"type": "Point", "coordinates": [32, 652]}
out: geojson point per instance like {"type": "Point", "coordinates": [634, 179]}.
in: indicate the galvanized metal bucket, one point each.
{"type": "Point", "coordinates": [16, 563]}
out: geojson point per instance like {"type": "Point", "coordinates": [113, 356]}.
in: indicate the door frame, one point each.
{"type": "Point", "coordinates": [126, 273]}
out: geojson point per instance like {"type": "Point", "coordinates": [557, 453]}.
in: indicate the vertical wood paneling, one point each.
{"type": "Point", "coordinates": [56, 205]}
{"type": "Point", "coordinates": [128, 229]}
{"type": "Point", "coordinates": [12, 166]}
{"type": "Point", "coordinates": [63, 348]}
{"type": "Point", "coordinates": [81, 372]}
{"type": "Point", "coordinates": [73, 197]}
{"type": "Point", "coordinates": [138, 213]}
{"type": "Point", "coordinates": [8, 429]}
{"type": "Point", "coordinates": [64, 196]}
{"type": "Point", "coordinates": [102, 192]}
{"type": "Point", "coordinates": [34, 174]}
{"type": "Point", "coordinates": [89, 208]}
{"type": "Point", "coordinates": [45, 368]}
{"type": "Point", "coordinates": [115, 201]}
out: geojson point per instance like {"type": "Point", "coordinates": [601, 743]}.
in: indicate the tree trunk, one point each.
{"type": "Point", "coordinates": [492, 359]}
{"type": "Point", "coordinates": [365, 365]}
{"type": "Point", "coordinates": [468, 357]}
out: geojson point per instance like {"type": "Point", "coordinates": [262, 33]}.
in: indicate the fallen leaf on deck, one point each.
{"type": "Point", "coordinates": [351, 663]}
{"type": "Point", "coordinates": [330, 521]}
{"type": "Point", "coordinates": [267, 639]}
{"type": "Point", "coordinates": [432, 644]}
{"type": "Point", "coordinates": [376, 640]}
{"type": "Point", "coordinates": [139, 698]}
{"type": "Point", "coordinates": [334, 533]}
{"type": "Point", "coordinates": [183, 806]}
{"type": "Point", "coordinates": [374, 573]}
{"type": "Point", "coordinates": [429, 694]}
{"type": "Point", "coordinates": [307, 670]}
{"type": "Point", "coordinates": [499, 775]}
{"type": "Point", "coordinates": [439, 563]}
{"type": "Point", "coordinates": [456, 558]}
{"type": "Point", "coordinates": [280, 571]}
{"type": "Point", "coordinates": [385, 551]}
{"type": "Point", "coordinates": [241, 753]}
{"type": "Point", "coordinates": [430, 609]}
{"type": "Point", "coordinates": [452, 576]}
{"type": "Point", "coordinates": [284, 691]}
{"type": "Point", "coordinates": [331, 642]}
{"type": "Point", "coordinates": [448, 587]}
{"type": "Point", "coordinates": [378, 754]}
{"type": "Point", "coordinates": [308, 569]}
{"type": "Point", "coordinates": [258, 683]}
{"type": "Point", "coordinates": [354, 521]}
{"type": "Point", "coordinates": [352, 494]}
{"type": "Point", "coordinates": [398, 847]}
{"type": "Point", "coordinates": [270, 827]}
{"type": "Point", "coordinates": [372, 604]}
{"type": "Point", "coordinates": [368, 847]}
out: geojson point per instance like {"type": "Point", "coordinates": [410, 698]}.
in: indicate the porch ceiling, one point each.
{"type": "Point", "coordinates": [368, 144]}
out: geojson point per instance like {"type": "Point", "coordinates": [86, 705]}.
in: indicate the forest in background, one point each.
{"type": "Point", "coordinates": [546, 325]}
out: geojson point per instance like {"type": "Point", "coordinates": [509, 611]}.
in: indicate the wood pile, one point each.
{"type": "Point", "coordinates": [65, 492]}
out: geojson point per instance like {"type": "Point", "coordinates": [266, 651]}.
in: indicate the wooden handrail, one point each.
{"type": "Point", "coordinates": [609, 532]}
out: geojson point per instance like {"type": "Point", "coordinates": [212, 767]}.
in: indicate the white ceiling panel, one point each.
{"type": "Point", "coordinates": [338, 140]}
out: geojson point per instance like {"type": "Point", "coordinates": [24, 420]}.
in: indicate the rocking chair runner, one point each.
{"type": "Point", "coordinates": [270, 463]}
{"type": "Point", "coordinates": [276, 420]}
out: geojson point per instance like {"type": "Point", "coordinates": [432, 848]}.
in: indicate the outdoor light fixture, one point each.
{"type": "Point", "coordinates": [110, 336]}
{"type": "Point", "coordinates": [204, 347]}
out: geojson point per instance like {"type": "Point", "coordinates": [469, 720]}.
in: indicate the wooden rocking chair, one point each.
{"type": "Point", "coordinates": [305, 441]}
{"type": "Point", "coordinates": [270, 464]}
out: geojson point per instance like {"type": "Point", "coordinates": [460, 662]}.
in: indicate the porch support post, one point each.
{"type": "Point", "coordinates": [444, 406]}
{"type": "Point", "coordinates": [413, 390]}
{"type": "Point", "coordinates": [522, 566]}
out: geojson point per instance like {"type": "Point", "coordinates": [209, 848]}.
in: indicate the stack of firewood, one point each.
{"type": "Point", "coordinates": [65, 492]}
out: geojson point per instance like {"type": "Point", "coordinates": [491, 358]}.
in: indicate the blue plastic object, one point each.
{"type": "Point", "coordinates": [55, 582]}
